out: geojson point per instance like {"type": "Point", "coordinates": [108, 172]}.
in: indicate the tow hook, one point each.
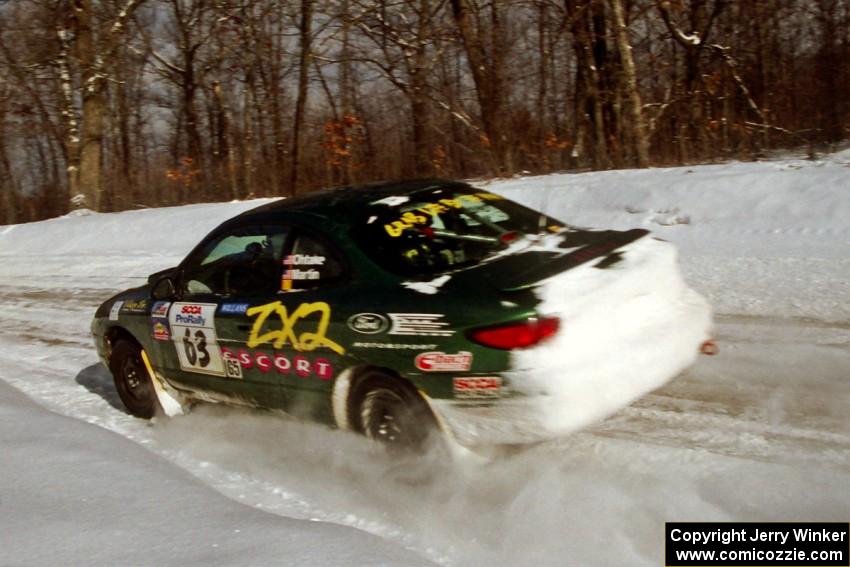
{"type": "Point", "coordinates": [709, 348]}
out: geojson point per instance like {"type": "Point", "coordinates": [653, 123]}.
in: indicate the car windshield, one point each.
{"type": "Point", "coordinates": [443, 229]}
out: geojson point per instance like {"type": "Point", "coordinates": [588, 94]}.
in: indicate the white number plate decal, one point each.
{"type": "Point", "coordinates": [193, 333]}
{"type": "Point", "coordinates": [231, 364]}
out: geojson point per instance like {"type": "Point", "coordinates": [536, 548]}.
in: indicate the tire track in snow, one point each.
{"type": "Point", "coordinates": [721, 407]}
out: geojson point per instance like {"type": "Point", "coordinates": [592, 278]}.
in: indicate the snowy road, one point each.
{"type": "Point", "coordinates": [759, 432]}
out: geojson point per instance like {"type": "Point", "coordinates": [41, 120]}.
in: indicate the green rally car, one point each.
{"type": "Point", "coordinates": [399, 309]}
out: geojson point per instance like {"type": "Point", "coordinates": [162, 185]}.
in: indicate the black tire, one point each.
{"type": "Point", "coordinates": [392, 412]}
{"type": "Point", "coordinates": [132, 380]}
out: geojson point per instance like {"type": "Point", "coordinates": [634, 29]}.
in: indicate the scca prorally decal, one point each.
{"type": "Point", "coordinates": [159, 330]}
{"type": "Point", "coordinates": [307, 340]}
{"type": "Point", "coordinates": [368, 323]}
{"type": "Point", "coordinates": [393, 346]}
{"type": "Point", "coordinates": [160, 309]}
{"type": "Point", "coordinates": [422, 324]}
{"type": "Point", "coordinates": [136, 305]}
{"type": "Point", "coordinates": [192, 314]}
{"type": "Point", "coordinates": [478, 387]}
{"type": "Point", "coordinates": [193, 333]}
{"type": "Point", "coordinates": [235, 308]}
{"type": "Point", "coordinates": [298, 365]}
{"type": "Point", "coordinates": [116, 308]}
{"type": "Point", "coordinates": [442, 362]}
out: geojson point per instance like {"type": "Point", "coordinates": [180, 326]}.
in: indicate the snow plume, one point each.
{"type": "Point", "coordinates": [625, 330]}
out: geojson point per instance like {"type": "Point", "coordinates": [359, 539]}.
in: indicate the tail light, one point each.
{"type": "Point", "coordinates": [516, 335]}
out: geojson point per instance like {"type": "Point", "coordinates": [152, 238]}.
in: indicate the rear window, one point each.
{"type": "Point", "coordinates": [443, 229]}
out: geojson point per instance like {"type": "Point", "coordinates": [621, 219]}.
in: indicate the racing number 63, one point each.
{"type": "Point", "coordinates": [193, 345]}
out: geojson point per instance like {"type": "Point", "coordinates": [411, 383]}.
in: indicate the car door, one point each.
{"type": "Point", "coordinates": [295, 335]}
{"type": "Point", "coordinates": [239, 268]}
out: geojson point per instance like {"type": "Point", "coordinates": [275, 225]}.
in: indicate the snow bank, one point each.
{"type": "Point", "coordinates": [74, 494]}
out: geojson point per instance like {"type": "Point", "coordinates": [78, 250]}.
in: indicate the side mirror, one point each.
{"type": "Point", "coordinates": [164, 289]}
{"type": "Point", "coordinates": [155, 277]}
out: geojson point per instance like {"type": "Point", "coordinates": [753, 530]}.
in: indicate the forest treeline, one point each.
{"type": "Point", "coordinates": [118, 104]}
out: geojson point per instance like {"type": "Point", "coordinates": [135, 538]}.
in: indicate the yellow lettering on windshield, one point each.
{"type": "Point", "coordinates": [306, 341]}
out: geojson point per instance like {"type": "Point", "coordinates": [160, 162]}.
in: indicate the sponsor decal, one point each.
{"type": "Point", "coordinates": [116, 308]}
{"type": "Point", "coordinates": [192, 314]}
{"type": "Point", "coordinates": [478, 387]}
{"type": "Point", "coordinates": [368, 323]}
{"type": "Point", "coordinates": [309, 339]}
{"type": "Point", "coordinates": [296, 274]}
{"type": "Point", "coordinates": [393, 346]}
{"type": "Point", "coordinates": [410, 219]}
{"type": "Point", "coordinates": [235, 308]}
{"type": "Point", "coordinates": [193, 333]}
{"type": "Point", "coordinates": [135, 306]}
{"type": "Point", "coordinates": [442, 362]}
{"type": "Point", "coordinates": [160, 331]}
{"type": "Point", "coordinates": [304, 260]}
{"type": "Point", "coordinates": [424, 324]}
{"type": "Point", "coordinates": [160, 309]}
{"type": "Point", "coordinates": [299, 365]}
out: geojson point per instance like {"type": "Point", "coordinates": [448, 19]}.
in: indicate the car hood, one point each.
{"type": "Point", "coordinates": [531, 260]}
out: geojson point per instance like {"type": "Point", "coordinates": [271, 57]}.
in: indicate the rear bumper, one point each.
{"type": "Point", "coordinates": [577, 389]}
{"type": "Point", "coordinates": [622, 336]}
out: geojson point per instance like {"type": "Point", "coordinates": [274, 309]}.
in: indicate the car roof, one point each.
{"type": "Point", "coordinates": [346, 203]}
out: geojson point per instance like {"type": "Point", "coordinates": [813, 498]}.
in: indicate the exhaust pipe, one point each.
{"type": "Point", "coordinates": [709, 348]}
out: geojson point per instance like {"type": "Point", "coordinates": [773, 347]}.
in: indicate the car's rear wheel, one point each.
{"type": "Point", "coordinates": [393, 413]}
{"type": "Point", "coordinates": [132, 380]}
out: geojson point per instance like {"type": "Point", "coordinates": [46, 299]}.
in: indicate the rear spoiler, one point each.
{"type": "Point", "coordinates": [592, 245]}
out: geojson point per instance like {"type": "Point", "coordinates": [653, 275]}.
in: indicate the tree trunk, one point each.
{"type": "Point", "coordinates": [588, 95]}
{"type": "Point", "coordinates": [89, 188]}
{"type": "Point", "coordinates": [7, 181]}
{"type": "Point", "coordinates": [641, 141]}
{"type": "Point", "coordinates": [305, 34]}
{"type": "Point", "coordinates": [487, 74]}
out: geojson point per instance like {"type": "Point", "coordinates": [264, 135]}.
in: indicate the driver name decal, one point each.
{"type": "Point", "coordinates": [307, 340]}
{"type": "Point", "coordinates": [193, 333]}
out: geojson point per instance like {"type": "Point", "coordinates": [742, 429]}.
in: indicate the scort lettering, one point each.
{"type": "Point", "coordinates": [321, 368]}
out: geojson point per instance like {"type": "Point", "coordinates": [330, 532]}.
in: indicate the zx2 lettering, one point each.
{"type": "Point", "coordinates": [306, 341]}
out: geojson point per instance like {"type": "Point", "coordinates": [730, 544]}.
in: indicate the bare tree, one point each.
{"type": "Point", "coordinates": [305, 35]}
{"type": "Point", "coordinates": [635, 107]}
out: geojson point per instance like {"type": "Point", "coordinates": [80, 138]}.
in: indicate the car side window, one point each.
{"type": "Point", "coordinates": [242, 261]}
{"type": "Point", "coordinates": [309, 263]}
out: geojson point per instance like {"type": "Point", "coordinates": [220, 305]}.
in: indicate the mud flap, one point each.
{"type": "Point", "coordinates": [170, 404]}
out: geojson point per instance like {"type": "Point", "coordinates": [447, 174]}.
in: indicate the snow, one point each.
{"type": "Point", "coordinates": [430, 287]}
{"type": "Point", "coordinates": [74, 494]}
{"type": "Point", "coordinates": [759, 432]}
{"type": "Point", "coordinates": [615, 343]}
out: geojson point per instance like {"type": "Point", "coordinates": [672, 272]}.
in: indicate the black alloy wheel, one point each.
{"type": "Point", "coordinates": [132, 380]}
{"type": "Point", "coordinates": [391, 412]}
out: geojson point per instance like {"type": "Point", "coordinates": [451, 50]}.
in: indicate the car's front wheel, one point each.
{"type": "Point", "coordinates": [393, 413]}
{"type": "Point", "coordinates": [132, 380]}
